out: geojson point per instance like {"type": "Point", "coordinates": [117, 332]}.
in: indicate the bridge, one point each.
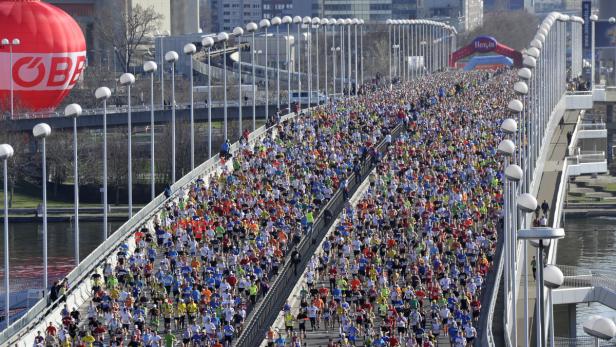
{"type": "Point", "coordinates": [545, 153]}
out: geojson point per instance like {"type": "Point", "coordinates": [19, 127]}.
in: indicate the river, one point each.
{"type": "Point", "coordinates": [590, 243]}
{"type": "Point", "coordinates": [26, 250]}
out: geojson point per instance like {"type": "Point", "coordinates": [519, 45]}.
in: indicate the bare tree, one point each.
{"type": "Point", "coordinates": [127, 35]}
{"type": "Point", "coordinates": [512, 28]}
{"type": "Point", "coordinates": [21, 167]}
{"type": "Point", "coordinates": [59, 157]}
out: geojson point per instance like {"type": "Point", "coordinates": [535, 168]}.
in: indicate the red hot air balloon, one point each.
{"type": "Point", "coordinates": [48, 60]}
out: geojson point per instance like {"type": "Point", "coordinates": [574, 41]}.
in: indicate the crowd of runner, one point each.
{"type": "Point", "coordinates": [211, 253]}
{"type": "Point", "coordinates": [406, 266]}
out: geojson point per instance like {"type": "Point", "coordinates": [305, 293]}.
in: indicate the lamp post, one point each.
{"type": "Point", "coordinates": [308, 38]}
{"type": "Point", "coordinates": [162, 70]}
{"type": "Point", "coordinates": [208, 42]}
{"type": "Point", "coordinates": [276, 21]}
{"type": "Point", "coordinates": [316, 21]}
{"type": "Point", "coordinates": [513, 174]}
{"type": "Point", "coordinates": [361, 48]}
{"type": "Point", "coordinates": [103, 93]}
{"type": "Point", "coordinates": [348, 23]}
{"type": "Point", "coordinates": [74, 111]}
{"type": "Point", "coordinates": [288, 20]}
{"type": "Point", "coordinates": [171, 57]}
{"type": "Point", "coordinates": [41, 131]}
{"type": "Point", "coordinates": [189, 50]}
{"type": "Point", "coordinates": [127, 79]}
{"type": "Point", "coordinates": [390, 46]}
{"type": "Point", "coordinates": [341, 23]}
{"type": "Point", "coordinates": [593, 20]}
{"type": "Point", "coordinates": [252, 28]}
{"type": "Point", "coordinates": [600, 328]}
{"type": "Point", "coordinates": [355, 25]}
{"type": "Point", "coordinates": [553, 278]}
{"type": "Point", "coordinates": [526, 203]}
{"type": "Point", "coordinates": [265, 24]}
{"type": "Point", "coordinates": [6, 152]}
{"type": "Point", "coordinates": [325, 23]}
{"type": "Point", "coordinates": [11, 43]}
{"type": "Point", "coordinates": [224, 37]}
{"type": "Point", "coordinates": [238, 32]}
{"type": "Point", "coordinates": [542, 234]}
{"type": "Point", "coordinates": [151, 67]}
{"type": "Point", "coordinates": [297, 20]}
{"type": "Point", "coordinates": [507, 149]}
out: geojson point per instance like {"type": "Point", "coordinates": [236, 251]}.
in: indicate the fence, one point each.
{"type": "Point", "coordinates": [267, 310]}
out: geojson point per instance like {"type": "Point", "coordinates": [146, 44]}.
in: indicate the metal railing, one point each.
{"type": "Point", "coordinates": [80, 274]}
{"type": "Point", "coordinates": [266, 311]}
{"type": "Point", "coordinates": [577, 277]}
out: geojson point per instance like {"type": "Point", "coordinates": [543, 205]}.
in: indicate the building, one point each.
{"type": "Point", "coordinates": [185, 17]}
{"type": "Point", "coordinates": [465, 15]}
{"type": "Point", "coordinates": [232, 13]}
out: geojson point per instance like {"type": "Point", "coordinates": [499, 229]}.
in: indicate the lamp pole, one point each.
{"type": "Point", "coordinates": [11, 43]}
{"type": "Point", "coordinates": [252, 28]}
{"type": "Point", "coordinates": [41, 131]}
{"type": "Point", "coordinates": [151, 67]}
{"type": "Point", "coordinates": [238, 32]}
{"type": "Point", "coordinates": [74, 111]}
{"type": "Point", "coordinates": [348, 23]}
{"type": "Point", "coordinates": [356, 24]}
{"type": "Point", "coordinates": [208, 42]}
{"type": "Point", "coordinates": [171, 57]}
{"type": "Point", "coordinates": [288, 20]}
{"type": "Point", "coordinates": [297, 20]}
{"type": "Point", "coordinates": [224, 37]}
{"type": "Point", "coordinates": [325, 23]}
{"type": "Point", "coordinates": [277, 21]}
{"type": "Point", "coordinates": [361, 48]}
{"type": "Point", "coordinates": [189, 50]}
{"type": "Point", "coordinates": [265, 24]}
{"type": "Point", "coordinates": [389, 47]}
{"type": "Point", "coordinates": [103, 93]}
{"type": "Point", "coordinates": [316, 22]}
{"type": "Point", "coordinates": [593, 19]}
{"type": "Point", "coordinates": [6, 152]}
{"type": "Point", "coordinates": [307, 22]}
{"type": "Point", "coordinates": [127, 79]}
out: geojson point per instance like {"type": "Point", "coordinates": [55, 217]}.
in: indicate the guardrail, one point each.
{"type": "Point", "coordinates": [490, 295]}
{"type": "Point", "coordinates": [592, 126]}
{"type": "Point", "coordinates": [262, 317]}
{"type": "Point", "coordinates": [78, 277]}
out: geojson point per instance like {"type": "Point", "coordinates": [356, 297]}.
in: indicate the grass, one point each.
{"type": "Point", "coordinates": [21, 200]}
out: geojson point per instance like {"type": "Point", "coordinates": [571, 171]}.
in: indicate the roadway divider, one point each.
{"type": "Point", "coordinates": [23, 331]}
{"type": "Point", "coordinates": [267, 310]}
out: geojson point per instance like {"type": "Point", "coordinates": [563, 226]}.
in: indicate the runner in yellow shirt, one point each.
{"type": "Point", "coordinates": [180, 315]}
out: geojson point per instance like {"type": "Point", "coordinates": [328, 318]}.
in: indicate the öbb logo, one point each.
{"type": "Point", "coordinates": [485, 44]}
{"type": "Point", "coordinates": [57, 71]}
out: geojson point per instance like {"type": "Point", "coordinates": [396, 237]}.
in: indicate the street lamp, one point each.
{"type": "Point", "coordinates": [189, 50]}
{"type": "Point", "coordinates": [276, 21]}
{"type": "Point", "coordinates": [308, 38]}
{"type": "Point", "coordinates": [553, 279]}
{"type": "Point", "coordinates": [151, 67]}
{"type": "Point", "coordinates": [600, 328]}
{"type": "Point", "coordinates": [541, 234]}
{"type": "Point", "coordinates": [265, 24]}
{"type": "Point", "coordinates": [389, 23]}
{"type": "Point", "coordinates": [252, 28]}
{"type": "Point", "coordinates": [11, 43]}
{"type": "Point", "coordinates": [238, 32]}
{"type": "Point", "coordinates": [103, 93]}
{"type": "Point", "coordinates": [74, 111]}
{"type": "Point", "coordinates": [208, 42]}
{"type": "Point", "coordinates": [288, 20]}
{"type": "Point", "coordinates": [340, 22]}
{"type": "Point", "coordinates": [6, 152]}
{"type": "Point", "coordinates": [526, 203]}
{"type": "Point", "coordinates": [224, 37]}
{"type": "Point", "coordinates": [507, 149]}
{"type": "Point", "coordinates": [297, 20]}
{"type": "Point", "coordinates": [361, 49]}
{"type": "Point", "coordinates": [325, 23]}
{"type": "Point", "coordinates": [127, 79]}
{"type": "Point", "coordinates": [162, 70]}
{"type": "Point", "coordinates": [593, 18]}
{"type": "Point", "coordinates": [348, 23]}
{"type": "Point", "coordinates": [42, 130]}
{"type": "Point", "coordinates": [171, 57]}
{"type": "Point", "coordinates": [316, 21]}
{"type": "Point", "coordinates": [334, 50]}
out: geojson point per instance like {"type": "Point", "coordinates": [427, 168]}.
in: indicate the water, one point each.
{"type": "Point", "coordinates": [26, 250]}
{"type": "Point", "coordinates": [590, 243]}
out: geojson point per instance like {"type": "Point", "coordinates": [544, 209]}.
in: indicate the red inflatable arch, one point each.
{"type": "Point", "coordinates": [485, 44]}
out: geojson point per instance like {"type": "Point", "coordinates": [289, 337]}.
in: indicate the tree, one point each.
{"type": "Point", "coordinates": [59, 157]}
{"type": "Point", "coordinates": [512, 28]}
{"type": "Point", "coordinates": [126, 35]}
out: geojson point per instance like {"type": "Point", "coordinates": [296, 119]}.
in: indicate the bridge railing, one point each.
{"type": "Point", "coordinates": [78, 278]}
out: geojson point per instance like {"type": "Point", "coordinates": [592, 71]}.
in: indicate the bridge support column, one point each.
{"type": "Point", "coordinates": [565, 321]}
